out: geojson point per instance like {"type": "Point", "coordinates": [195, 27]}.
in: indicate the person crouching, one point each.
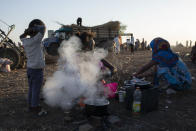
{"type": "Point", "coordinates": [168, 65]}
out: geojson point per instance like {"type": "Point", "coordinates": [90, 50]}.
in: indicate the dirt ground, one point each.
{"type": "Point", "coordinates": [175, 113]}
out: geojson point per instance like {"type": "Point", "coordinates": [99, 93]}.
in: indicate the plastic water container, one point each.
{"type": "Point", "coordinates": [149, 100]}
{"type": "Point", "coordinates": [121, 96]}
{"type": "Point", "coordinates": [137, 97]}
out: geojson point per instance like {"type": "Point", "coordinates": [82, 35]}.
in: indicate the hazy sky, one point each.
{"type": "Point", "coordinates": [171, 19]}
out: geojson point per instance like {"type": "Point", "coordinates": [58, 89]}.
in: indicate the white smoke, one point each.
{"type": "Point", "coordinates": [77, 76]}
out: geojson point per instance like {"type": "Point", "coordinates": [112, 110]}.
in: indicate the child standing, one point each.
{"type": "Point", "coordinates": [35, 63]}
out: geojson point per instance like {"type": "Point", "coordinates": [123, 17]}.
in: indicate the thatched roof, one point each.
{"type": "Point", "coordinates": [113, 25]}
{"type": "Point", "coordinates": [109, 29]}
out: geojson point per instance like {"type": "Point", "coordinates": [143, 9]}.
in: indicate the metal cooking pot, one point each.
{"type": "Point", "coordinates": [96, 107]}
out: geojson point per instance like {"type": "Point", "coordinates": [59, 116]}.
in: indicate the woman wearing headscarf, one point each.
{"type": "Point", "coordinates": [168, 65]}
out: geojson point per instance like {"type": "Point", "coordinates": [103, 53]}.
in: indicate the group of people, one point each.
{"type": "Point", "coordinates": [168, 65]}
{"type": "Point", "coordinates": [141, 45]}
{"type": "Point", "coordinates": [130, 45]}
{"type": "Point", "coordinates": [188, 43]}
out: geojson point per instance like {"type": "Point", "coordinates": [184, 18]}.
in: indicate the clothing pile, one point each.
{"type": "Point", "coordinates": [5, 65]}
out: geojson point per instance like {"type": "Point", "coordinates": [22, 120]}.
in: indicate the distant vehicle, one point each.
{"type": "Point", "coordinates": [104, 35]}
{"type": "Point", "coordinates": [52, 44]}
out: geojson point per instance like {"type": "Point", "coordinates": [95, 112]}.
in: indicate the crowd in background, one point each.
{"type": "Point", "coordinates": [188, 44]}
{"type": "Point", "coordinates": [130, 44]}
{"type": "Point", "coordinates": [133, 45]}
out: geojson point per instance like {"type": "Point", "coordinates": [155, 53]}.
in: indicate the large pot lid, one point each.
{"type": "Point", "coordinates": [97, 102]}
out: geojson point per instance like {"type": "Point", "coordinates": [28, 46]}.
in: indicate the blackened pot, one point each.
{"type": "Point", "coordinates": [96, 109]}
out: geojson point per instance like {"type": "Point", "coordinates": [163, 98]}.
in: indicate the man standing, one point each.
{"type": "Point", "coordinates": [128, 44]}
{"type": "Point", "coordinates": [117, 44]}
{"type": "Point", "coordinates": [137, 44]}
{"type": "Point", "coordinates": [142, 44]}
{"type": "Point", "coordinates": [190, 43]}
{"type": "Point", "coordinates": [145, 45]}
{"type": "Point", "coordinates": [132, 44]}
{"type": "Point", "coordinates": [193, 53]}
{"type": "Point", "coordinates": [79, 21]}
{"type": "Point", "coordinates": [187, 44]}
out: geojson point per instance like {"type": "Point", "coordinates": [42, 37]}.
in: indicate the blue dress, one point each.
{"type": "Point", "coordinates": [170, 66]}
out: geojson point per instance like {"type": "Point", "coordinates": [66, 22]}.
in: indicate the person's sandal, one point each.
{"type": "Point", "coordinates": [42, 112]}
{"type": "Point", "coordinates": [38, 111]}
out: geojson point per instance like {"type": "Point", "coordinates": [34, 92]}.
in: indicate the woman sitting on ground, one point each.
{"type": "Point", "coordinates": [168, 65]}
